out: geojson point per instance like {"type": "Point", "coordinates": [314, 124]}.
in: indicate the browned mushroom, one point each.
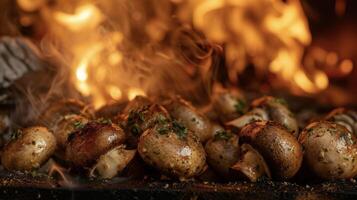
{"type": "Point", "coordinates": [87, 144]}
{"type": "Point", "coordinates": [112, 163]}
{"type": "Point", "coordinates": [279, 148]}
{"type": "Point", "coordinates": [143, 118]}
{"type": "Point", "coordinates": [29, 149]}
{"type": "Point", "coordinates": [58, 109]}
{"type": "Point", "coordinates": [330, 150]}
{"type": "Point", "coordinates": [173, 150]}
{"type": "Point", "coordinates": [344, 117]}
{"type": "Point", "coordinates": [184, 112]}
{"type": "Point", "coordinates": [251, 164]}
{"type": "Point", "coordinates": [269, 108]}
{"type": "Point", "coordinates": [222, 152]}
{"type": "Point", "coordinates": [229, 104]}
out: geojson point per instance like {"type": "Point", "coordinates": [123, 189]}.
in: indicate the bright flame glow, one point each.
{"type": "Point", "coordinates": [133, 92]}
{"type": "Point", "coordinates": [304, 82]}
{"type": "Point", "coordinates": [85, 16]}
{"type": "Point", "coordinates": [346, 66]}
{"type": "Point", "coordinates": [270, 33]}
{"type": "Point", "coordinates": [82, 67]}
{"type": "Point", "coordinates": [30, 5]}
{"type": "Point", "coordinates": [114, 92]}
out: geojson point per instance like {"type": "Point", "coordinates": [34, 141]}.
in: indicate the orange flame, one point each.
{"type": "Point", "coordinates": [266, 32]}
{"type": "Point", "coordinates": [85, 17]}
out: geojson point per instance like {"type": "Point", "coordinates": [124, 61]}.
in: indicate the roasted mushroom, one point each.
{"type": "Point", "coordinates": [344, 117]}
{"type": "Point", "coordinates": [222, 152]}
{"type": "Point", "coordinates": [142, 119]}
{"type": "Point", "coordinates": [87, 144]}
{"type": "Point", "coordinates": [330, 150]}
{"type": "Point", "coordinates": [65, 126]}
{"type": "Point", "coordinates": [137, 103]}
{"type": "Point", "coordinates": [229, 105]}
{"type": "Point", "coordinates": [112, 163]}
{"type": "Point", "coordinates": [112, 110]}
{"type": "Point", "coordinates": [29, 149]}
{"type": "Point", "coordinates": [278, 147]}
{"type": "Point", "coordinates": [184, 112]}
{"type": "Point", "coordinates": [269, 108]}
{"type": "Point", "coordinates": [251, 164]}
{"type": "Point", "coordinates": [172, 149]}
{"type": "Point", "coordinates": [58, 109]}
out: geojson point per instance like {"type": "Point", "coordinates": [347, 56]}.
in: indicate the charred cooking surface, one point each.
{"type": "Point", "coordinates": [20, 186]}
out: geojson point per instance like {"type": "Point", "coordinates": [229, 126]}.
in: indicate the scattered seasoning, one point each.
{"type": "Point", "coordinates": [16, 134]}
{"type": "Point", "coordinates": [281, 101]}
{"type": "Point", "coordinates": [135, 129]}
{"type": "Point", "coordinates": [161, 119]}
{"type": "Point", "coordinates": [104, 121]}
{"type": "Point", "coordinates": [179, 129]}
{"type": "Point", "coordinates": [309, 131]}
{"type": "Point", "coordinates": [240, 106]}
{"type": "Point", "coordinates": [162, 130]}
{"type": "Point", "coordinates": [136, 115]}
{"type": "Point", "coordinates": [346, 137]}
{"type": "Point", "coordinates": [222, 135]}
{"type": "Point", "coordinates": [78, 125]}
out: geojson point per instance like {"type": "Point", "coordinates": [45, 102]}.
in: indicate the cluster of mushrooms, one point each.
{"type": "Point", "coordinates": [177, 140]}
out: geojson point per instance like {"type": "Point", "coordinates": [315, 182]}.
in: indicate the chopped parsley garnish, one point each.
{"type": "Point", "coordinates": [136, 116]}
{"type": "Point", "coordinates": [78, 125]}
{"type": "Point", "coordinates": [179, 129]}
{"type": "Point", "coordinates": [135, 129]}
{"type": "Point", "coordinates": [162, 130]}
{"type": "Point", "coordinates": [222, 135]}
{"type": "Point", "coordinates": [240, 106]}
{"type": "Point", "coordinates": [281, 101]}
{"type": "Point", "coordinates": [104, 121]}
{"type": "Point", "coordinates": [16, 134]}
{"type": "Point", "coordinates": [161, 119]}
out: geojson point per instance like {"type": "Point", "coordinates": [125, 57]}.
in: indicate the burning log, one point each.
{"type": "Point", "coordinates": [18, 56]}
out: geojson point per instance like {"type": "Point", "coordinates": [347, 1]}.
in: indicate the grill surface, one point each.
{"type": "Point", "coordinates": [19, 186]}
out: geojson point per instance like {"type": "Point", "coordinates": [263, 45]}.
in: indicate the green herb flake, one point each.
{"type": "Point", "coordinates": [162, 130]}
{"type": "Point", "coordinates": [281, 101]}
{"type": "Point", "coordinates": [104, 121]}
{"type": "Point", "coordinates": [135, 129]}
{"type": "Point", "coordinates": [78, 125]}
{"type": "Point", "coordinates": [240, 106]}
{"type": "Point", "coordinates": [179, 129]}
{"type": "Point", "coordinates": [222, 135]}
{"type": "Point", "coordinates": [161, 119]}
{"type": "Point", "coordinates": [16, 134]}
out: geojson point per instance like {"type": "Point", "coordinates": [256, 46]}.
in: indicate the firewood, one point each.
{"type": "Point", "coordinates": [18, 56]}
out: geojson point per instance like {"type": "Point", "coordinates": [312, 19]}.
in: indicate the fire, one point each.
{"type": "Point", "coordinates": [85, 17]}
{"type": "Point", "coordinates": [270, 33]}
{"type": "Point", "coordinates": [82, 68]}
{"type": "Point", "coordinates": [133, 92]}
{"type": "Point", "coordinates": [112, 54]}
